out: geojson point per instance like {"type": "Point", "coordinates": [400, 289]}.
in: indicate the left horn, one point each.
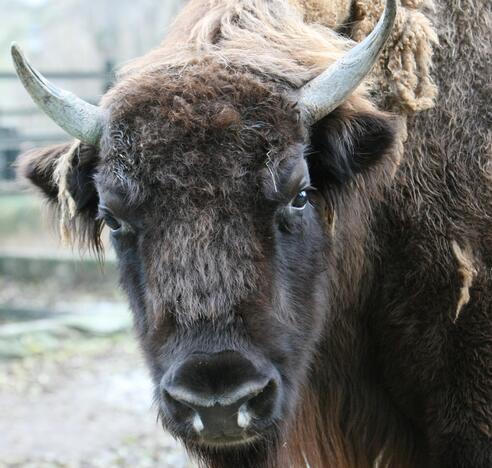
{"type": "Point", "coordinates": [80, 119]}
{"type": "Point", "coordinates": [327, 91]}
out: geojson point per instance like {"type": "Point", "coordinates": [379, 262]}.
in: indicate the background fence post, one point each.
{"type": "Point", "coordinates": [8, 152]}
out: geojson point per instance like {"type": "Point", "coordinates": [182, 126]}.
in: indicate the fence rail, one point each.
{"type": "Point", "coordinates": [90, 75]}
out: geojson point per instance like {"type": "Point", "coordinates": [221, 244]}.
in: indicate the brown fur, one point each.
{"type": "Point", "coordinates": [225, 126]}
{"type": "Point", "coordinates": [442, 193]}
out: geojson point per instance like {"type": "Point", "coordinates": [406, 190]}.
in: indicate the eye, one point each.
{"type": "Point", "coordinates": [301, 200]}
{"type": "Point", "coordinates": [112, 222]}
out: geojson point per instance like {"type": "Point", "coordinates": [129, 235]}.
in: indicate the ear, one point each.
{"type": "Point", "coordinates": [347, 143]}
{"type": "Point", "coordinates": [65, 176]}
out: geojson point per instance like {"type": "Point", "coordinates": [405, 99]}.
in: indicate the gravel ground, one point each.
{"type": "Point", "coordinates": [86, 405]}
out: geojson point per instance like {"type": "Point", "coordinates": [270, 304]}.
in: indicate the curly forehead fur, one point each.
{"type": "Point", "coordinates": [206, 121]}
{"type": "Point", "coordinates": [198, 148]}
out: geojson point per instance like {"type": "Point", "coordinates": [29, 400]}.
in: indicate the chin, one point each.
{"type": "Point", "coordinates": [250, 450]}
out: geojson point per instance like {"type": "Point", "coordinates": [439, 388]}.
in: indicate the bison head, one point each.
{"type": "Point", "coordinates": [220, 189]}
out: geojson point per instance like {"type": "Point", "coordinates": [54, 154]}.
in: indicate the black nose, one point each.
{"type": "Point", "coordinates": [222, 397]}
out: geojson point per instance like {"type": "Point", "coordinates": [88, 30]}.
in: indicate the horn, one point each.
{"type": "Point", "coordinates": [327, 91]}
{"type": "Point", "coordinates": [80, 119]}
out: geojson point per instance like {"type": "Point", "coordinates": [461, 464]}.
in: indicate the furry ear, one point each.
{"type": "Point", "coordinates": [64, 174]}
{"type": "Point", "coordinates": [345, 144]}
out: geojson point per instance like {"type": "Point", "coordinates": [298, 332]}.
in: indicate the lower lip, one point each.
{"type": "Point", "coordinates": [226, 441]}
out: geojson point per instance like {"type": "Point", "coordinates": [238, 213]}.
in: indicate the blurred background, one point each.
{"type": "Point", "coordinates": [74, 391]}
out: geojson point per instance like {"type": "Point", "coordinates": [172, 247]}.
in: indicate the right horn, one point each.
{"type": "Point", "coordinates": [80, 119]}
{"type": "Point", "coordinates": [327, 91]}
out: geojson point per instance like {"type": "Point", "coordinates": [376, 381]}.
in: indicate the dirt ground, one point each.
{"type": "Point", "coordinates": [86, 404]}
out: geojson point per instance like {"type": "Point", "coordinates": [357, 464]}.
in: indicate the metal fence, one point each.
{"type": "Point", "coordinates": [17, 137]}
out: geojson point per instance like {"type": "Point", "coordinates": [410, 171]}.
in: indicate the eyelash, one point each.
{"type": "Point", "coordinates": [104, 215]}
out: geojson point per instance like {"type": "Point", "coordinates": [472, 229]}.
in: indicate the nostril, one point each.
{"type": "Point", "coordinates": [176, 409]}
{"type": "Point", "coordinates": [262, 404]}
{"type": "Point", "coordinates": [181, 411]}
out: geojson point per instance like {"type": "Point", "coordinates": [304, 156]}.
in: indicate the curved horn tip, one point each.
{"type": "Point", "coordinates": [16, 53]}
{"type": "Point", "coordinates": [14, 48]}
{"type": "Point", "coordinates": [18, 56]}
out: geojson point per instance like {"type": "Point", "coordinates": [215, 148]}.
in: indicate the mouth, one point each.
{"type": "Point", "coordinates": [225, 441]}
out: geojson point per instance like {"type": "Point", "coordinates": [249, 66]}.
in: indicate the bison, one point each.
{"type": "Point", "coordinates": [310, 275]}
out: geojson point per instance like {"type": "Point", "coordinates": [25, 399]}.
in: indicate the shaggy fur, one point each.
{"type": "Point", "coordinates": [355, 300]}
{"type": "Point", "coordinates": [74, 202]}
{"type": "Point", "coordinates": [332, 14]}
{"type": "Point", "coordinates": [402, 76]}
{"type": "Point", "coordinates": [442, 196]}
{"type": "Point", "coordinates": [286, 49]}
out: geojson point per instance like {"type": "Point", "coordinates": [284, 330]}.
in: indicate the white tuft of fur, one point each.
{"type": "Point", "coordinates": [66, 202]}
{"type": "Point", "coordinates": [467, 272]}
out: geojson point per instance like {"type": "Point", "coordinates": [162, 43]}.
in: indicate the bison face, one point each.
{"type": "Point", "coordinates": [220, 242]}
{"type": "Point", "coordinates": [220, 203]}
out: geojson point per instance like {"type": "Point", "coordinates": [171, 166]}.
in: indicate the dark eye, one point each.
{"type": "Point", "coordinates": [301, 200]}
{"type": "Point", "coordinates": [111, 222]}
